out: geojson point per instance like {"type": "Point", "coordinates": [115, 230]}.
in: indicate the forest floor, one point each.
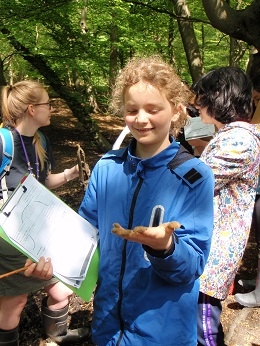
{"type": "Point", "coordinates": [241, 325]}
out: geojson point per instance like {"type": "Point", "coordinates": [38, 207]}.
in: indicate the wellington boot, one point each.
{"type": "Point", "coordinates": [251, 299]}
{"type": "Point", "coordinates": [247, 284]}
{"type": "Point", "coordinates": [9, 338]}
{"type": "Point", "coordinates": [55, 326]}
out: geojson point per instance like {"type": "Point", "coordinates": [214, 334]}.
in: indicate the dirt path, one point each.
{"type": "Point", "coordinates": [241, 325]}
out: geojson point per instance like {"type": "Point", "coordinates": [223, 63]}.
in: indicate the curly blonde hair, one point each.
{"type": "Point", "coordinates": [155, 71]}
{"type": "Point", "coordinates": [15, 100]}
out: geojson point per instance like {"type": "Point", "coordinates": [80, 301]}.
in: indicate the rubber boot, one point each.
{"type": "Point", "coordinates": [247, 284]}
{"type": "Point", "coordinates": [9, 338]}
{"type": "Point", "coordinates": [251, 299]}
{"type": "Point", "coordinates": [55, 326]}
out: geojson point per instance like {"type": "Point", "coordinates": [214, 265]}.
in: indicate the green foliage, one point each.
{"type": "Point", "coordinates": [51, 29]}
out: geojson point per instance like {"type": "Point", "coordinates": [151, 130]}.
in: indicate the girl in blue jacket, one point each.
{"type": "Point", "coordinates": [148, 285]}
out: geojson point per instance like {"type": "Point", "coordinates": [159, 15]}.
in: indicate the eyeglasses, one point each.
{"type": "Point", "coordinates": [50, 103]}
{"type": "Point", "coordinates": [45, 103]}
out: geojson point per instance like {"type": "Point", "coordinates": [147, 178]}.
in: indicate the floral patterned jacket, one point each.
{"type": "Point", "coordinates": [234, 156]}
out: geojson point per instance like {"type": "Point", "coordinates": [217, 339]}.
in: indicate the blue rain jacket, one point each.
{"type": "Point", "coordinates": [144, 297]}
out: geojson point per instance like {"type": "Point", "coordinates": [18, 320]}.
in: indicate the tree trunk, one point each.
{"type": "Point", "coordinates": [113, 51]}
{"type": "Point", "coordinates": [240, 24]}
{"type": "Point", "coordinates": [189, 39]}
{"type": "Point", "coordinates": [2, 77]}
{"type": "Point", "coordinates": [74, 99]}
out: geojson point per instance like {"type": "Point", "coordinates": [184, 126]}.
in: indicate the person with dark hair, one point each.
{"type": "Point", "coordinates": [224, 98]}
{"type": "Point", "coordinates": [158, 201]}
{"type": "Point", "coordinates": [25, 108]}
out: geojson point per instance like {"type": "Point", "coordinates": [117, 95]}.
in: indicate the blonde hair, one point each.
{"type": "Point", "coordinates": [15, 100]}
{"type": "Point", "coordinates": [158, 73]}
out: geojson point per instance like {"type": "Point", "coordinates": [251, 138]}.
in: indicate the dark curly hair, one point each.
{"type": "Point", "coordinates": [227, 94]}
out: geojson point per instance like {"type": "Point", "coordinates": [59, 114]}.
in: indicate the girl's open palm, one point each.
{"type": "Point", "coordinates": [158, 238]}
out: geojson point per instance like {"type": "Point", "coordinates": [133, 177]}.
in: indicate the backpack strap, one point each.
{"type": "Point", "coordinates": [8, 154]}
{"type": "Point", "coordinates": [182, 156]}
{"type": "Point", "coordinates": [8, 149]}
{"type": "Point", "coordinates": [43, 139]}
{"type": "Point", "coordinates": [7, 158]}
{"type": "Point", "coordinates": [192, 176]}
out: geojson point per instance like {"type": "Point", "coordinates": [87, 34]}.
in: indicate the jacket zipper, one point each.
{"type": "Point", "coordinates": [122, 271]}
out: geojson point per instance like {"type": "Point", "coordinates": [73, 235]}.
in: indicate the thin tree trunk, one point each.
{"type": "Point", "coordinates": [189, 39]}
{"type": "Point", "coordinates": [74, 100]}
{"type": "Point", "coordinates": [2, 77]}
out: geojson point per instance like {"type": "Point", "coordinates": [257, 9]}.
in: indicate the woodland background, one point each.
{"type": "Point", "coordinates": [77, 47]}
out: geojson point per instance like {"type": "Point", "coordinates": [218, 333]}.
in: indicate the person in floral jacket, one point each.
{"type": "Point", "coordinates": [224, 98]}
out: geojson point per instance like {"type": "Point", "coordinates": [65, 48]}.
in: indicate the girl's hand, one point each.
{"type": "Point", "coordinates": [158, 238]}
{"type": "Point", "coordinates": [42, 270]}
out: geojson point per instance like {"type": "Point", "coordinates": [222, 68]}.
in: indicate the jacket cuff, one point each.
{"type": "Point", "coordinates": [162, 253]}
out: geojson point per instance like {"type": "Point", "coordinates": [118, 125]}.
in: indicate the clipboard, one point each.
{"type": "Point", "coordinates": [195, 129]}
{"type": "Point", "coordinates": [38, 223]}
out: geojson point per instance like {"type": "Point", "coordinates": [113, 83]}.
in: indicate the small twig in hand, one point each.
{"type": "Point", "coordinates": [84, 170]}
{"type": "Point", "coordinates": [13, 272]}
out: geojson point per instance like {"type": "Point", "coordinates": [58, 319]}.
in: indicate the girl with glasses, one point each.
{"type": "Point", "coordinates": [25, 108]}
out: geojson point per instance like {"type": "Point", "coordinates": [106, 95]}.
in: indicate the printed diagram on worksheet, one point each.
{"type": "Point", "coordinates": [40, 224]}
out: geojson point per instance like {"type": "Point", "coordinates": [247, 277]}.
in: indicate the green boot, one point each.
{"type": "Point", "coordinates": [9, 337]}
{"type": "Point", "coordinates": [55, 326]}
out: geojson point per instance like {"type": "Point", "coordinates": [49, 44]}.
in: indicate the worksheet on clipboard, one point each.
{"type": "Point", "coordinates": [39, 224]}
